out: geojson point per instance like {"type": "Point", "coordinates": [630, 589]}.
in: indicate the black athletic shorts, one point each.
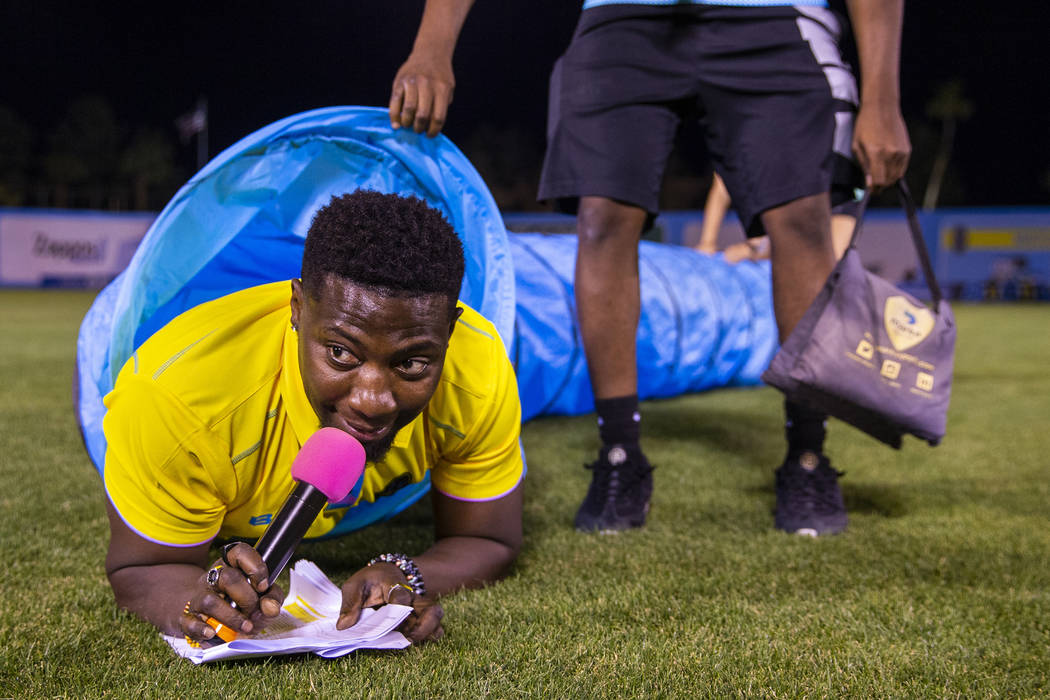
{"type": "Point", "coordinates": [768, 85]}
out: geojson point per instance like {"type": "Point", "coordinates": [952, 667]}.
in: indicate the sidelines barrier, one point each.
{"type": "Point", "coordinates": [994, 255]}
{"type": "Point", "coordinates": [42, 248]}
{"type": "Point", "coordinates": [979, 254]}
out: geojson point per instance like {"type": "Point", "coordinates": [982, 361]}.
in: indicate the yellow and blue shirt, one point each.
{"type": "Point", "coordinates": [206, 417]}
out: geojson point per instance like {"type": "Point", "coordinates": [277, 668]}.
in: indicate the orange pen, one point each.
{"type": "Point", "coordinates": [223, 632]}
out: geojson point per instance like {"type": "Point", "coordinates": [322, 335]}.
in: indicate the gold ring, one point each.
{"type": "Point", "coordinates": [186, 610]}
{"type": "Point", "coordinates": [192, 642]}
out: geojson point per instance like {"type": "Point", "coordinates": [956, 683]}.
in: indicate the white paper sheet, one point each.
{"type": "Point", "coordinates": [307, 624]}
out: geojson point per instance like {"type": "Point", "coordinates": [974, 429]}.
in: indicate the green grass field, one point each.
{"type": "Point", "coordinates": [940, 587]}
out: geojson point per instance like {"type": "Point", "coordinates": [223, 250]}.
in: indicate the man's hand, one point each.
{"type": "Point", "coordinates": [240, 580]}
{"type": "Point", "coordinates": [422, 92]}
{"type": "Point", "coordinates": [476, 542]}
{"type": "Point", "coordinates": [384, 583]}
{"type": "Point", "coordinates": [423, 86]}
{"type": "Point", "coordinates": [880, 142]}
{"type": "Point", "coordinates": [753, 249]}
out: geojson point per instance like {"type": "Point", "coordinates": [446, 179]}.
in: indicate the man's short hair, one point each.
{"type": "Point", "coordinates": [398, 245]}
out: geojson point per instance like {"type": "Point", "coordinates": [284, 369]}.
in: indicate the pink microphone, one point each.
{"type": "Point", "coordinates": [328, 465]}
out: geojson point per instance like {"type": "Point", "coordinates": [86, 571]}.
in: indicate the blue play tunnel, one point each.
{"type": "Point", "coordinates": [704, 324]}
{"type": "Point", "coordinates": [241, 221]}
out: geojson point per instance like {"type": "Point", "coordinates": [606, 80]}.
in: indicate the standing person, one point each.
{"type": "Point", "coordinates": [766, 79]}
{"type": "Point", "coordinates": [205, 420]}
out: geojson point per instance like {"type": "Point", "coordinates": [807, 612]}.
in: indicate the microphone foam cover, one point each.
{"type": "Point", "coordinates": [331, 461]}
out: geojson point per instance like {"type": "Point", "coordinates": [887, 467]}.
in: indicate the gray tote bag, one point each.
{"type": "Point", "coordinates": [871, 354]}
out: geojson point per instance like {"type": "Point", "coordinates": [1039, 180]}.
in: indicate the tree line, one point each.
{"type": "Point", "coordinates": [88, 160]}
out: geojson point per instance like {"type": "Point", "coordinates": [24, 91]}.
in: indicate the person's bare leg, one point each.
{"type": "Point", "coordinates": [809, 500]}
{"type": "Point", "coordinates": [608, 306]}
{"type": "Point", "coordinates": [802, 256]}
{"type": "Point", "coordinates": [608, 300]}
{"type": "Point", "coordinates": [842, 226]}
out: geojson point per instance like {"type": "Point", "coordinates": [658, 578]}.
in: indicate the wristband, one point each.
{"type": "Point", "coordinates": [408, 568]}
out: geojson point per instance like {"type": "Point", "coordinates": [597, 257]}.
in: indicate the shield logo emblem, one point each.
{"type": "Point", "coordinates": [906, 324]}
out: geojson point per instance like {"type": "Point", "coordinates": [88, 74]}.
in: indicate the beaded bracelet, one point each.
{"type": "Point", "coordinates": [408, 568]}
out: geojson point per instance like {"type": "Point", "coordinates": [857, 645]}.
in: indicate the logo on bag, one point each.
{"type": "Point", "coordinates": [924, 381]}
{"type": "Point", "coordinates": [906, 324]}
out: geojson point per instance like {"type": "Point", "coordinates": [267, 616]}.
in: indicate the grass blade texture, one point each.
{"type": "Point", "coordinates": [940, 587]}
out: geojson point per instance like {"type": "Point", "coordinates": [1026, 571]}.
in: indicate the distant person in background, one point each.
{"type": "Point", "coordinates": [206, 418]}
{"type": "Point", "coordinates": [766, 79]}
{"type": "Point", "coordinates": [756, 248]}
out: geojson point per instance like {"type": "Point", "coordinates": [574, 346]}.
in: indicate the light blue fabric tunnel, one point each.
{"type": "Point", "coordinates": [241, 221]}
{"type": "Point", "coordinates": [705, 323]}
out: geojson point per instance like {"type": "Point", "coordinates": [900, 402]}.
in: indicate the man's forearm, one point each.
{"type": "Point", "coordinates": [440, 27]}
{"type": "Point", "coordinates": [155, 593]}
{"type": "Point", "coordinates": [453, 563]}
{"type": "Point", "coordinates": [877, 29]}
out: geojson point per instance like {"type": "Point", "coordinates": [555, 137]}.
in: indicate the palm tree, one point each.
{"type": "Point", "coordinates": [82, 151]}
{"type": "Point", "coordinates": [950, 107]}
{"type": "Point", "coordinates": [147, 161]}
{"type": "Point", "coordinates": [16, 146]}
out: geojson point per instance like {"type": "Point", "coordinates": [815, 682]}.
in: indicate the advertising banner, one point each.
{"type": "Point", "coordinates": [988, 255]}
{"type": "Point", "coordinates": [67, 249]}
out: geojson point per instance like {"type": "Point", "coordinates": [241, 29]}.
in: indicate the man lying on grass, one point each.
{"type": "Point", "coordinates": [206, 417]}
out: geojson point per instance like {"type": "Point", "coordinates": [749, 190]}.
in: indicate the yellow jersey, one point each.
{"type": "Point", "coordinates": [206, 417]}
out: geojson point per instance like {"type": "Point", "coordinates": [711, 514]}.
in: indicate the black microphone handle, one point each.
{"type": "Point", "coordinates": [298, 513]}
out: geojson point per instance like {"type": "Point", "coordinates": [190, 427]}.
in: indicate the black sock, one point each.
{"type": "Point", "coordinates": [805, 429]}
{"type": "Point", "coordinates": [619, 422]}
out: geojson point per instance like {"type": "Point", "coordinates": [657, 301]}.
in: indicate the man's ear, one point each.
{"type": "Point", "coordinates": [296, 302]}
{"type": "Point", "coordinates": [456, 313]}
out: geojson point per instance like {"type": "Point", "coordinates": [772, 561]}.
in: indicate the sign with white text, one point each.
{"type": "Point", "coordinates": [67, 248]}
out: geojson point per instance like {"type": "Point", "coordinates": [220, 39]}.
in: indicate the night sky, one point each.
{"type": "Point", "coordinates": [258, 62]}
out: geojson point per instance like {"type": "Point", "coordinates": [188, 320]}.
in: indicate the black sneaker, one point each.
{"type": "Point", "coordinates": [809, 501]}
{"type": "Point", "coordinates": [618, 497]}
